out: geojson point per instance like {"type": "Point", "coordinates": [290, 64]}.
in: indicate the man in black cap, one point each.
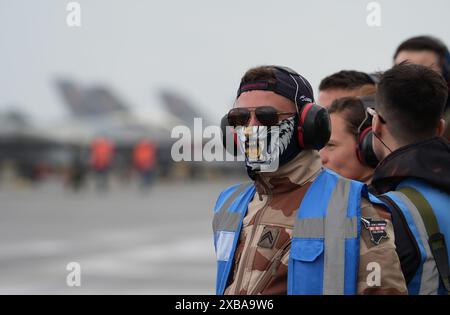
{"type": "Point", "coordinates": [296, 228]}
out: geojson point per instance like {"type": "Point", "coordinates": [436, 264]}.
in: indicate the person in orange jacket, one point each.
{"type": "Point", "coordinates": [102, 155]}
{"type": "Point", "coordinates": [144, 161]}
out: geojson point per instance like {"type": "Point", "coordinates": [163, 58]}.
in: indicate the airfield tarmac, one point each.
{"type": "Point", "coordinates": [127, 241]}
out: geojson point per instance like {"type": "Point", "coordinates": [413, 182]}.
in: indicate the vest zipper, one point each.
{"type": "Point", "coordinates": [254, 227]}
{"type": "Point", "coordinates": [271, 270]}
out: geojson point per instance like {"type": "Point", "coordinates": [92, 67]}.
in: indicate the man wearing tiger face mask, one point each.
{"type": "Point", "coordinates": [296, 228]}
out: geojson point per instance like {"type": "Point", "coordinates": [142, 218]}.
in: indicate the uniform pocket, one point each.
{"type": "Point", "coordinates": [306, 266]}
{"type": "Point", "coordinates": [306, 250]}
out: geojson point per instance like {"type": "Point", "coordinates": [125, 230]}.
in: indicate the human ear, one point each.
{"type": "Point", "coordinates": [376, 125]}
{"type": "Point", "coordinates": [441, 127]}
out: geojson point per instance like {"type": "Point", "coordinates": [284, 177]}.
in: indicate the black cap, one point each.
{"type": "Point", "coordinates": [288, 83]}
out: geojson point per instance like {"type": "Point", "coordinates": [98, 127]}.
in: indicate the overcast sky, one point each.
{"type": "Point", "coordinates": [198, 47]}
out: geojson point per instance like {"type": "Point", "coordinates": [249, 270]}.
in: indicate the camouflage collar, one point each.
{"type": "Point", "coordinates": [302, 169]}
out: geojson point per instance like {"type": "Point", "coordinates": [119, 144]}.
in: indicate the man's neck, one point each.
{"type": "Point", "coordinates": [389, 145]}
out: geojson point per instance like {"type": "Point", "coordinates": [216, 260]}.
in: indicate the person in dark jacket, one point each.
{"type": "Point", "coordinates": [407, 126]}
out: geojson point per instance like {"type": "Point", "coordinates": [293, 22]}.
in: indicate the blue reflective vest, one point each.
{"type": "Point", "coordinates": [426, 280]}
{"type": "Point", "coordinates": [324, 255]}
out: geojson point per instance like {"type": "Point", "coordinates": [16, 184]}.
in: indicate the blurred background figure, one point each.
{"type": "Point", "coordinates": [102, 154]}
{"type": "Point", "coordinates": [430, 52]}
{"type": "Point", "coordinates": [78, 171]}
{"type": "Point", "coordinates": [144, 160]}
{"type": "Point", "coordinates": [343, 84]}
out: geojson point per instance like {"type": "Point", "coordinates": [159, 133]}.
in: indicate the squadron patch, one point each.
{"type": "Point", "coordinates": [376, 228]}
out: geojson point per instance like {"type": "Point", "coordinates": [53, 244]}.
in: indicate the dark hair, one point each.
{"type": "Point", "coordinates": [345, 79]}
{"type": "Point", "coordinates": [420, 43]}
{"type": "Point", "coordinates": [353, 110]}
{"type": "Point", "coordinates": [411, 98]}
{"type": "Point", "coordinates": [261, 73]}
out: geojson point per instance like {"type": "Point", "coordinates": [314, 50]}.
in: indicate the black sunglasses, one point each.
{"type": "Point", "coordinates": [266, 115]}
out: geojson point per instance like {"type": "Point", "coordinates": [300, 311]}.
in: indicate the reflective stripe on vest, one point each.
{"type": "Point", "coordinates": [230, 210]}
{"type": "Point", "coordinates": [426, 279]}
{"type": "Point", "coordinates": [334, 229]}
{"type": "Point", "coordinates": [315, 228]}
{"type": "Point", "coordinates": [225, 220]}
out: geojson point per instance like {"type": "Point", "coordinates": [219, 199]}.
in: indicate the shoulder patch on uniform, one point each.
{"type": "Point", "coordinates": [376, 228]}
{"type": "Point", "coordinates": [268, 237]}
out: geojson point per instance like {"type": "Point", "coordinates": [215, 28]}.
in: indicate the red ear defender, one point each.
{"type": "Point", "coordinates": [364, 148]}
{"type": "Point", "coordinates": [314, 128]}
{"type": "Point", "coordinates": [303, 115]}
{"type": "Point", "coordinates": [359, 148]}
{"type": "Point", "coordinates": [300, 137]}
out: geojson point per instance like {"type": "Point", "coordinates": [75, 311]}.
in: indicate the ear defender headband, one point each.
{"type": "Point", "coordinates": [314, 128]}
{"type": "Point", "coordinates": [364, 147]}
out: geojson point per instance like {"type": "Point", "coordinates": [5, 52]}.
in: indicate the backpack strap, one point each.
{"type": "Point", "coordinates": [436, 239]}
